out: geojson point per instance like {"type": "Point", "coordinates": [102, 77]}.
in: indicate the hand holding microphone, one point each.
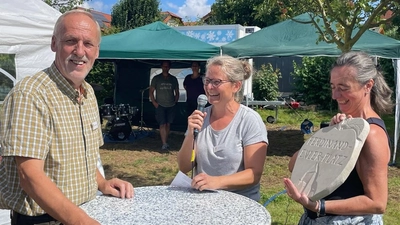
{"type": "Point", "coordinates": [201, 103]}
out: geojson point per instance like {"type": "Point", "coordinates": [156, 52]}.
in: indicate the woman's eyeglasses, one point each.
{"type": "Point", "coordinates": [214, 82]}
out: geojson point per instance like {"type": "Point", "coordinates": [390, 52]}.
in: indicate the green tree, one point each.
{"type": "Point", "coordinates": [386, 65]}
{"type": "Point", "coordinates": [129, 14]}
{"type": "Point", "coordinates": [311, 79]}
{"type": "Point", "coordinates": [336, 20]}
{"type": "Point", "coordinates": [110, 30]}
{"type": "Point", "coordinates": [7, 63]}
{"type": "Point", "coordinates": [64, 5]}
{"type": "Point", "coordinates": [259, 13]}
{"type": "Point", "coordinates": [126, 14]}
{"type": "Point", "coordinates": [103, 73]}
{"type": "Point", "coordinates": [392, 28]}
{"type": "Point", "coordinates": [265, 83]}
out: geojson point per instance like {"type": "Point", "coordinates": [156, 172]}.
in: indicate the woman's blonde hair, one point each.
{"type": "Point", "coordinates": [236, 71]}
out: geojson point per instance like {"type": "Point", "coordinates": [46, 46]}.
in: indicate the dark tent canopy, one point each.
{"type": "Point", "coordinates": [291, 38]}
{"type": "Point", "coordinates": [137, 52]}
{"type": "Point", "coordinates": [155, 41]}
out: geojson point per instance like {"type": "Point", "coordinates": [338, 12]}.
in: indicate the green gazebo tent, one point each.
{"type": "Point", "coordinates": [136, 52]}
{"type": "Point", "coordinates": [291, 38]}
{"type": "Point", "coordinates": [155, 41]}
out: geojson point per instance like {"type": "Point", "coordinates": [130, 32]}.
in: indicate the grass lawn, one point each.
{"type": "Point", "coordinates": [141, 163]}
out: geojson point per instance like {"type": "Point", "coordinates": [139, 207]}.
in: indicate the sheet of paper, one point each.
{"type": "Point", "coordinates": [181, 180]}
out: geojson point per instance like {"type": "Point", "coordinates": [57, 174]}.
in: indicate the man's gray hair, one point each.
{"type": "Point", "coordinates": [58, 24]}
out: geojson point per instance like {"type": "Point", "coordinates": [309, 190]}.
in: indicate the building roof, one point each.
{"type": "Point", "coordinates": [171, 19]}
{"type": "Point", "coordinates": [387, 15]}
{"type": "Point", "coordinates": [103, 19]}
{"type": "Point", "coordinates": [170, 14]}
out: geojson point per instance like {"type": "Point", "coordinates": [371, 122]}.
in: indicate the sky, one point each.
{"type": "Point", "coordinates": [188, 10]}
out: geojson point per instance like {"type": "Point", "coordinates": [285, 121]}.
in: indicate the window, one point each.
{"type": "Point", "coordinates": [7, 74]}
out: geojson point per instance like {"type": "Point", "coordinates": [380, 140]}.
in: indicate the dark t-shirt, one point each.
{"type": "Point", "coordinates": [194, 88]}
{"type": "Point", "coordinates": [165, 89]}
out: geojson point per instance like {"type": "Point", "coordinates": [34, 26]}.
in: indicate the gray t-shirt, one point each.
{"type": "Point", "coordinates": [220, 152]}
{"type": "Point", "coordinates": [165, 89]}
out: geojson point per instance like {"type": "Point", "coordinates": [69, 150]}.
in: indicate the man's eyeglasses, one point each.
{"type": "Point", "coordinates": [214, 83]}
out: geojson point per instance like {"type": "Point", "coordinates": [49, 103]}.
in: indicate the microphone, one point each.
{"type": "Point", "coordinates": [201, 103]}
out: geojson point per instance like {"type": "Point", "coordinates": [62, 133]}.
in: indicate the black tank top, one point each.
{"type": "Point", "coordinates": [352, 185]}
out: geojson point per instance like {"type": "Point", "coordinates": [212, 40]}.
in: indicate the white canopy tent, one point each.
{"type": "Point", "coordinates": [26, 27]}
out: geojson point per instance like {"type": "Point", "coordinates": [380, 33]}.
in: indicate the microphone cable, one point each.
{"type": "Point", "coordinates": [192, 159]}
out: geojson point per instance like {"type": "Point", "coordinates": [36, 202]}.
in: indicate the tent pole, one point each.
{"type": "Point", "coordinates": [396, 65]}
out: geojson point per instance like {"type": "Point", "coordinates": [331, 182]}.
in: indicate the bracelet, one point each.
{"type": "Point", "coordinates": [321, 208]}
{"type": "Point", "coordinates": [318, 207]}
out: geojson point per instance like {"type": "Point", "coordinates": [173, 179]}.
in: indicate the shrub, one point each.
{"type": "Point", "coordinates": [265, 83]}
{"type": "Point", "coordinates": [311, 80]}
{"type": "Point", "coordinates": [102, 74]}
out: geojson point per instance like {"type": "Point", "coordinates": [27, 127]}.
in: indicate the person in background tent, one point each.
{"type": "Point", "coordinates": [166, 88]}
{"type": "Point", "coordinates": [193, 85]}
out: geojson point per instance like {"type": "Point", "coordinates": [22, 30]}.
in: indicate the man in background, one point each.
{"type": "Point", "coordinates": [166, 96]}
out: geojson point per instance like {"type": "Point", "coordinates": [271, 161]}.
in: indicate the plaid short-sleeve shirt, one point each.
{"type": "Point", "coordinates": [41, 118]}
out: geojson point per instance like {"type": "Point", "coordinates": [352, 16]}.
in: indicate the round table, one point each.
{"type": "Point", "coordinates": [177, 205]}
